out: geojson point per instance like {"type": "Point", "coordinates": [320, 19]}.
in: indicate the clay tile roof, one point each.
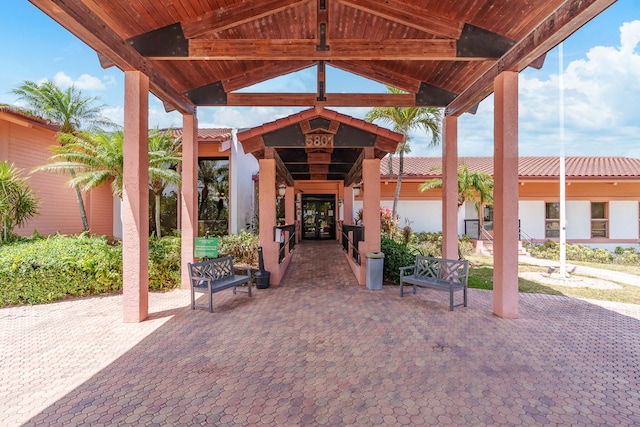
{"type": "Point", "coordinates": [318, 112]}
{"type": "Point", "coordinates": [528, 167]}
{"type": "Point", "coordinates": [210, 134]}
{"type": "Point", "coordinates": [15, 111]}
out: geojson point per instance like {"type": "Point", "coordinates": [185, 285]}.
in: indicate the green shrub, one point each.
{"type": "Point", "coordinates": [396, 255]}
{"type": "Point", "coordinates": [551, 250]}
{"type": "Point", "coordinates": [164, 263]}
{"type": "Point", "coordinates": [40, 270]}
{"type": "Point", "coordinates": [243, 247]}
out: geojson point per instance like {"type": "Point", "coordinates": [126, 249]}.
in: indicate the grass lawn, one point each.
{"type": "Point", "coordinates": [481, 277]}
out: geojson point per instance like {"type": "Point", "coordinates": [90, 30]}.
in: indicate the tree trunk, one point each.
{"type": "Point", "coordinates": [158, 233]}
{"type": "Point", "coordinates": [83, 212]}
{"type": "Point", "coordinates": [396, 196]}
{"type": "Point", "coordinates": [203, 201]}
{"type": "Point", "coordinates": [480, 218]}
{"type": "Point", "coordinates": [390, 165]}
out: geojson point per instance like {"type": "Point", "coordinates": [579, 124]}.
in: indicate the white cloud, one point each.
{"type": "Point", "coordinates": [601, 106]}
{"type": "Point", "coordinates": [243, 117]}
{"type": "Point", "coordinates": [84, 82]}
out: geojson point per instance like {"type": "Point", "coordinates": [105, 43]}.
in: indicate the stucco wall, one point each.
{"type": "Point", "coordinates": [532, 218]}
{"type": "Point", "coordinates": [242, 168]}
{"type": "Point", "coordinates": [623, 219]}
{"type": "Point", "coordinates": [578, 219]}
{"type": "Point", "coordinates": [26, 148]}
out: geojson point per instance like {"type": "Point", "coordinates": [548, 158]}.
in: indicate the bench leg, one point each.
{"type": "Point", "coordinates": [401, 285]}
{"type": "Point", "coordinates": [250, 287]}
{"type": "Point", "coordinates": [193, 298]}
{"type": "Point", "coordinates": [210, 300]}
{"type": "Point", "coordinates": [465, 296]}
{"type": "Point", "coordinates": [450, 299]}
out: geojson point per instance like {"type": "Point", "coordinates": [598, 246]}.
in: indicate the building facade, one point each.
{"type": "Point", "coordinates": [602, 198]}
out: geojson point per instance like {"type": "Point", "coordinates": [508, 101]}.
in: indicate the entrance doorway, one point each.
{"type": "Point", "coordinates": [319, 216]}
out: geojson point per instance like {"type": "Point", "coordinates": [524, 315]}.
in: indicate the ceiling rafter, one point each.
{"type": "Point", "coordinates": [340, 49]}
{"type": "Point", "coordinates": [262, 73]}
{"type": "Point", "coordinates": [380, 75]}
{"type": "Point", "coordinates": [230, 17]}
{"type": "Point", "coordinates": [86, 25]}
{"type": "Point", "coordinates": [410, 16]}
{"type": "Point", "coordinates": [309, 99]}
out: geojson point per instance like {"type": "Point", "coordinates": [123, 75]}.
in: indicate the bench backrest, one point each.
{"type": "Point", "coordinates": [217, 268]}
{"type": "Point", "coordinates": [441, 268]}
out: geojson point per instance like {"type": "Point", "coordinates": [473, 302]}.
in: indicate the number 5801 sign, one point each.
{"type": "Point", "coordinates": [321, 140]}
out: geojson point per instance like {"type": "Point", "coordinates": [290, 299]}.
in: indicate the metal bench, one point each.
{"type": "Point", "coordinates": [437, 273]}
{"type": "Point", "coordinates": [213, 276]}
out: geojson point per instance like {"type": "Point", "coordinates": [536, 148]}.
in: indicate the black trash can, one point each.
{"type": "Point", "coordinates": [262, 276]}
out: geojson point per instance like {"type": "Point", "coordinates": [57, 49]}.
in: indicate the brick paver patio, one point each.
{"type": "Point", "coordinates": [321, 350]}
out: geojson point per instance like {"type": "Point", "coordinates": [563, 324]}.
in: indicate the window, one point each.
{"type": "Point", "coordinates": [552, 219]}
{"type": "Point", "coordinates": [487, 218]}
{"type": "Point", "coordinates": [599, 221]}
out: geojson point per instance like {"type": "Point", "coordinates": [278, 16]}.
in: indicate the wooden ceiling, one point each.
{"type": "Point", "coordinates": [443, 53]}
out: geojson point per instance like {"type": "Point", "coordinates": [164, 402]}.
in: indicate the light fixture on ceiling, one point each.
{"type": "Point", "coordinates": [282, 189]}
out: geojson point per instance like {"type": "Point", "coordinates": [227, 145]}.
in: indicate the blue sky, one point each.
{"type": "Point", "coordinates": [601, 78]}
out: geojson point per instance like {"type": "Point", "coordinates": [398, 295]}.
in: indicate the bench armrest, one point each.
{"type": "Point", "coordinates": [247, 269]}
{"type": "Point", "coordinates": [409, 267]}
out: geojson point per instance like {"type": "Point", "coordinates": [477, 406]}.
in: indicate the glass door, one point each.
{"type": "Point", "coordinates": [319, 217]}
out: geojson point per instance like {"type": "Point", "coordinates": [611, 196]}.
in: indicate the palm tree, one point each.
{"type": "Point", "coordinates": [98, 159]}
{"type": "Point", "coordinates": [473, 186]}
{"type": "Point", "coordinates": [213, 175]}
{"type": "Point", "coordinates": [68, 108]}
{"type": "Point", "coordinates": [164, 155]}
{"type": "Point", "coordinates": [17, 201]}
{"type": "Point", "coordinates": [405, 120]}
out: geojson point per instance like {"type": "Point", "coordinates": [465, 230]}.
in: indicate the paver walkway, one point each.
{"type": "Point", "coordinates": [321, 350]}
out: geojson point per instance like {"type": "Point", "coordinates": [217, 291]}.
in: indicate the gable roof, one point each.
{"type": "Point", "coordinates": [528, 167]}
{"type": "Point", "coordinates": [319, 144]}
{"type": "Point", "coordinates": [210, 134]}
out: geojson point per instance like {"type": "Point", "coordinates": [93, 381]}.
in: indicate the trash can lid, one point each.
{"type": "Point", "coordinates": [377, 255]}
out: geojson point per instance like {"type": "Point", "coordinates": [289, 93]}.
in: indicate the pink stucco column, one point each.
{"type": "Point", "coordinates": [348, 205]}
{"type": "Point", "coordinates": [289, 209]}
{"type": "Point", "coordinates": [370, 212]}
{"type": "Point", "coordinates": [189, 194]}
{"type": "Point", "coordinates": [505, 196]}
{"type": "Point", "coordinates": [135, 198]}
{"type": "Point", "coordinates": [267, 212]}
{"type": "Point", "coordinates": [450, 188]}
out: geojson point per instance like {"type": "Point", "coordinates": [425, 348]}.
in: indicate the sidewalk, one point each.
{"type": "Point", "coordinates": [615, 276]}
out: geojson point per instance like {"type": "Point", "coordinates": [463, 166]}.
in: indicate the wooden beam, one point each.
{"type": "Point", "coordinates": [263, 73]}
{"type": "Point", "coordinates": [253, 145]}
{"type": "Point", "coordinates": [282, 171]}
{"type": "Point", "coordinates": [355, 174]}
{"type": "Point", "coordinates": [230, 17]}
{"type": "Point", "coordinates": [306, 49]}
{"type": "Point", "coordinates": [310, 99]}
{"type": "Point", "coordinates": [559, 25]}
{"type": "Point", "coordinates": [379, 73]}
{"type": "Point", "coordinates": [410, 16]}
{"type": "Point", "coordinates": [88, 27]}
{"type": "Point", "coordinates": [386, 145]}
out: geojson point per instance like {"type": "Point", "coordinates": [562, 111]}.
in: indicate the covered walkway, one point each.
{"type": "Point", "coordinates": [321, 350]}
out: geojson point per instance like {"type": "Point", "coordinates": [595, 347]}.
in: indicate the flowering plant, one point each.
{"type": "Point", "coordinates": [388, 222]}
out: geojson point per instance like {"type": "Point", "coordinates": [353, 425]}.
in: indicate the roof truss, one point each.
{"type": "Point", "coordinates": [435, 53]}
